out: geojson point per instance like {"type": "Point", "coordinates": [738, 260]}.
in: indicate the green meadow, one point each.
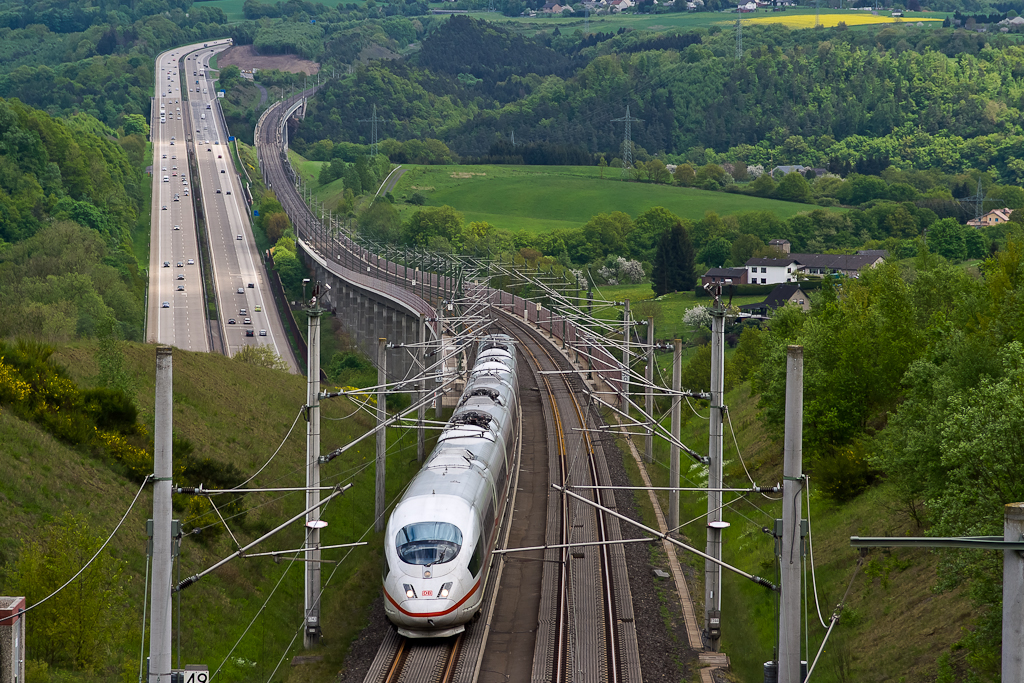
{"type": "Point", "coordinates": [539, 199]}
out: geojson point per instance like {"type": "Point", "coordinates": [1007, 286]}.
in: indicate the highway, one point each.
{"type": "Point", "coordinates": [176, 314]}
{"type": "Point", "coordinates": [247, 315]}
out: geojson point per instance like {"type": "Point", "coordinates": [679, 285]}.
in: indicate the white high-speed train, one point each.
{"type": "Point", "coordinates": [439, 538]}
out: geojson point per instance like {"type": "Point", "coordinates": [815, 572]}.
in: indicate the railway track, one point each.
{"type": "Point", "coordinates": [402, 660]}
{"type": "Point", "coordinates": [586, 628]}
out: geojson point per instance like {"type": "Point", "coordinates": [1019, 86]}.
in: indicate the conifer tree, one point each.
{"type": "Point", "coordinates": [673, 262]}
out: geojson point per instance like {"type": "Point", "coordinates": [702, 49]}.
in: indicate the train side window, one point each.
{"type": "Point", "coordinates": [477, 561]}
{"type": "Point", "coordinates": [489, 519]}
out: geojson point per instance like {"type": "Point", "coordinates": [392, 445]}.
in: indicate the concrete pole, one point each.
{"type": "Point", "coordinates": [625, 357]}
{"type": "Point", "coordinates": [421, 413]}
{"type": "Point", "coordinates": [673, 451]}
{"type": "Point", "coordinates": [649, 403]}
{"type": "Point", "coordinates": [311, 633]}
{"type": "Point", "coordinates": [379, 499]}
{"type": "Point", "coordinates": [792, 489]}
{"type": "Point", "coordinates": [160, 602]}
{"type": "Point", "coordinates": [1013, 595]}
{"type": "Point", "coordinates": [441, 363]}
{"type": "Point", "coordinates": [590, 314]}
{"type": "Point", "coordinates": [712, 571]}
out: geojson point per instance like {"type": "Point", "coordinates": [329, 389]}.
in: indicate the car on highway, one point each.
{"type": "Point", "coordinates": [167, 264]}
{"type": "Point", "coordinates": [164, 207]}
{"type": "Point", "coordinates": [241, 291]}
{"type": "Point", "coordinates": [248, 333]}
{"type": "Point", "coordinates": [238, 237]}
{"type": "Point", "coordinates": [181, 288]}
{"type": "Point", "coordinates": [219, 156]}
{"type": "Point", "coordinates": [248, 321]}
{"type": "Point", "coordinates": [181, 276]}
{"type": "Point", "coordinates": [180, 264]}
{"type": "Point", "coordinates": [263, 333]}
{"type": "Point", "coordinates": [252, 285]}
{"type": "Point", "coordinates": [223, 171]}
{"type": "Point", "coordinates": [243, 311]}
{"type": "Point", "coordinates": [191, 262]}
{"type": "Point", "coordinates": [166, 304]}
{"type": "Point", "coordinates": [228, 192]}
{"type": "Point", "coordinates": [231, 321]}
{"type": "Point", "coordinates": [207, 149]}
{"type": "Point", "coordinates": [177, 227]}
{"type": "Point", "coordinates": [258, 308]}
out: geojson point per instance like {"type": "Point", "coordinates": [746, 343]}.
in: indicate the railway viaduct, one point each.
{"type": "Point", "coordinates": [368, 308]}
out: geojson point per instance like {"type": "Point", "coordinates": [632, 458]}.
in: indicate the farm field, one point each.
{"type": "Point", "coordinates": [542, 198]}
{"type": "Point", "coordinates": [794, 18]}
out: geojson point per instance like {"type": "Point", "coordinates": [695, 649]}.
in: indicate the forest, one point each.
{"type": "Point", "coordinates": [920, 97]}
{"type": "Point", "coordinates": [69, 201]}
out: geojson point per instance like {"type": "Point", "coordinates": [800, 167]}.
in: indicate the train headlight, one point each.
{"type": "Point", "coordinates": [445, 589]}
{"type": "Point", "coordinates": [410, 592]}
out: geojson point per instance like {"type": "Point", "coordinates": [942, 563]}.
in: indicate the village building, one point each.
{"type": "Point", "coordinates": [993, 217]}
{"type": "Point", "coordinates": [734, 276]}
{"type": "Point", "coordinates": [778, 297]}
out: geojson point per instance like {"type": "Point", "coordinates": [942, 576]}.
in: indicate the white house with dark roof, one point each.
{"type": "Point", "coordinates": [775, 271]}
{"type": "Point", "coordinates": [772, 271]}
{"type": "Point", "coordinates": [849, 265]}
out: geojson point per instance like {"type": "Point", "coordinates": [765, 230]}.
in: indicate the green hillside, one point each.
{"type": "Point", "coordinates": [895, 628]}
{"type": "Point", "coordinates": [542, 198]}
{"type": "Point", "coordinates": [539, 199]}
{"type": "Point", "coordinates": [229, 413]}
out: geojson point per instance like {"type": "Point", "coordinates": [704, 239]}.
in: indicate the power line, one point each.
{"type": "Point", "coordinates": [627, 144]}
{"type": "Point", "coordinates": [373, 135]}
{"type": "Point", "coordinates": [79, 573]}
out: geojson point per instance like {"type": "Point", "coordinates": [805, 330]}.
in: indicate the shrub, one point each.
{"type": "Point", "coordinates": [842, 475]}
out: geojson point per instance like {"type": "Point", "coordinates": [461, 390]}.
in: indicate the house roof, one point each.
{"type": "Point", "coordinates": [726, 272]}
{"type": "Point", "coordinates": [778, 242]}
{"type": "Point", "coordinates": [836, 261]}
{"type": "Point", "coordinates": [776, 298]}
{"type": "Point", "coordinates": [884, 253]}
{"type": "Point", "coordinates": [776, 262]}
{"type": "Point", "coordinates": [795, 168]}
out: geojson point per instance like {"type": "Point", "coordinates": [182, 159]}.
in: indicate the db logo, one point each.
{"type": "Point", "coordinates": [427, 594]}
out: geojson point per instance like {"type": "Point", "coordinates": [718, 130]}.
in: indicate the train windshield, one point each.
{"type": "Point", "coordinates": [429, 543]}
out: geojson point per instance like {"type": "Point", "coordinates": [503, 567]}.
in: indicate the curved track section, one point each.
{"type": "Point", "coordinates": [324, 249]}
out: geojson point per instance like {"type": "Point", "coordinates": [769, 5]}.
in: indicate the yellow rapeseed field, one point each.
{"type": "Point", "coordinates": [831, 20]}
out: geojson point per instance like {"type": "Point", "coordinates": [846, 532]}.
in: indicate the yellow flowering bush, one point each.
{"type": "Point", "coordinates": [12, 387]}
{"type": "Point", "coordinates": [138, 461]}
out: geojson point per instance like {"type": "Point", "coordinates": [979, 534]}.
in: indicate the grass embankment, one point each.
{"type": "Point", "coordinates": [232, 413]}
{"type": "Point", "coordinates": [895, 626]}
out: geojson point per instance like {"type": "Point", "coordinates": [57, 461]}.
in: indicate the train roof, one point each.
{"type": "Point", "coordinates": [450, 472]}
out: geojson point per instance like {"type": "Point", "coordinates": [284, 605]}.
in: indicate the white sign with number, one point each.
{"type": "Point", "coordinates": [194, 676]}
